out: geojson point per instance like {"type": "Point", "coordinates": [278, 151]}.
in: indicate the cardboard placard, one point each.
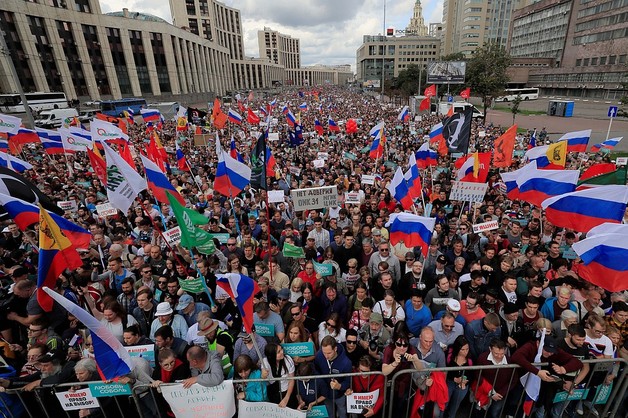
{"type": "Point", "coordinates": [79, 399]}
{"type": "Point", "coordinates": [352, 198]}
{"type": "Point", "coordinates": [358, 401]}
{"type": "Point", "coordinates": [276, 196]}
{"type": "Point", "coordinates": [368, 179]}
{"type": "Point", "coordinates": [68, 205]}
{"type": "Point", "coordinates": [621, 161]}
{"type": "Point", "coordinates": [147, 352]}
{"type": "Point", "coordinates": [314, 198]}
{"type": "Point", "coordinates": [266, 410]}
{"type": "Point", "coordinates": [173, 236]}
{"type": "Point", "coordinates": [318, 163]}
{"type": "Point", "coordinates": [106, 209]}
{"type": "Point", "coordinates": [468, 191]}
{"type": "Point", "coordinates": [485, 226]}
{"type": "Point", "coordinates": [199, 401]}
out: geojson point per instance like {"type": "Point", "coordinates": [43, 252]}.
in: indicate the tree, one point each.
{"type": "Point", "coordinates": [514, 107]}
{"type": "Point", "coordinates": [623, 110]}
{"type": "Point", "coordinates": [407, 82]}
{"type": "Point", "coordinates": [486, 72]}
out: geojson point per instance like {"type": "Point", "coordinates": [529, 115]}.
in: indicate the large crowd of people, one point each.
{"type": "Point", "coordinates": [485, 299]}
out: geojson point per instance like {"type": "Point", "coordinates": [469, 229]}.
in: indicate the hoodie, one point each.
{"type": "Point", "coordinates": [341, 364]}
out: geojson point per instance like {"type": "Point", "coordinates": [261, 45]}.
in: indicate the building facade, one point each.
{"type": "Point", "coordinates": [588, 40]}
{"type": "Point", "coordinates": [469, 24]}
{"type": "Point", "coordinates": [393, 54]}
{"type": "Point", "coordinates": [279, 49]}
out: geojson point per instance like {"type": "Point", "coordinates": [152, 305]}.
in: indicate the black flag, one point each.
{"type": "Point", "coordinates": [457, 130]}
{"type": "Point", "coordinates": [258, 164]}
{"type": "Point", "coordinates": [16, 185]}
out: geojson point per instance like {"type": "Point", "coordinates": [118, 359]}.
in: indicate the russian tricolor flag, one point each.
{"type": "Point", "coordinates": [231, 176]}
{"type": "Point", "coordinates": [4, 144]}
{"type": "Point", "coordinates": [150, 115]}
{"type": "Point", "coordinates": [241, 288]}
{"type": "Point", "coordinates": [404, 115]}
{"type": "Point", "coordinates": [233, 151]}
{"type": "Point", "coordinates": [291, 119]}
{"type": "Point", "coordinates": [112, 358]}
{"type": "Point", "coordinates": [23, 136]}
{"type": "Point", "coordinates": [332, 125]}
{"type": "Point", "coordinates": [604, 257]}
{"type": "Point", "coordinates": [158, 183]}
{"type": "Point", "coordinates": [14, 163]}
{"type": "Point", "coordinates": [234, 117]}
{"type": "Point", "coordinates": [576, 141]}
{"type": "Point", "coordinates": [303, 106]}
{"type": "Point", "coordinates": [182, 162]}
{"type": "Point", "coordinates": [549, 157]}
{"type": "Point", "coordinates": [436, 133]}
{"type": "Point", "coordinates": [585, 209]}
{"type": "Point", "coordinates": [263, 110]}
{"type": "Point", "coordinates": [51, 141]}
{"type": "Point", "coordinates": [399, 189]}
{"type": "Point", "coordinates": [26, 214]}
{"type": "Point", "coordinates": [532, 142]}
{"type": "Point", "coordinates": [537, 185]}
{"type": "Point", "coordinates": [608, 144]}
{"type": "Point", "coordinates": [413, 230]}
{"type": "Point", "coordinates": [413, 178]}
{"type": "Point", "coordinates": [377, 147]}
{"type": "Point", "coordinates": [273, 103]}
{"type": "Point", "coordinates": [510, 180]}
{"type": "Point", "coordinates": [318, 127]}
{"type": "Point", "coordinates": [285, 109]}
{"type": "Point", "coordinates": [425, 157]}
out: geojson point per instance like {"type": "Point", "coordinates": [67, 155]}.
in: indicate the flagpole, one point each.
{"type": "Point", "coordinates": [205, 287]}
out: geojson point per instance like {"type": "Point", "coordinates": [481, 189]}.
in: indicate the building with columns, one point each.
{"type": "Point", "coordinates": [71, 46]}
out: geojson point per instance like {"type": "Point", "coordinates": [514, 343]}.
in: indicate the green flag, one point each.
{"type": "Point", "coordinates": [187, 219]}
{"type": "Point", "coordinates": [614, 177]}
{"type": "Point", "coordinates": [290, 250]}
{"type": "Point", "coordinates": [323, 269]}
{"type": "Point", "coordinates": [193, 286]}
{"type": "Point", "coordinates": [208, 247]}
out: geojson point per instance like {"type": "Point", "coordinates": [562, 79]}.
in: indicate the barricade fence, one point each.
{"type": "Point", "coordinates": [402, 394]}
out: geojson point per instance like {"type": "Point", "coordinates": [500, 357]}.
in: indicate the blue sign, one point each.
{"type": "Point", "coordinates": [450, 99]}
{"type": "Point", "coordinates": [265, 330]}
{"type": "Point", "coordinates": [104, 390]}
{"type": "Point", "coordinates": [319, 411]}
{"type": "Point", "coordinates": [612, 111]}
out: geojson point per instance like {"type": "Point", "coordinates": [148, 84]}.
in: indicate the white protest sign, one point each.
{"type": "Point", "coordinates": [318, 163]}
{"type": "Point", "coordinates": [368, 179]}
{"type": "Point", "coordinates": [80, 399]}
{"type": "Point", "coordinates": [275, 196]}
{"type": "Point", "coordinates": [266, 410]}
{"type": "Point", "coordinates": [356, 402]}
{"type": "Point", "coordinates": [294, 170]}
{"type": "Point", "coordinates": [485, 226]}
{"type": "Point", "coordinates": [322, 155]}
{"type": "Point", "coordinates": [173, 236]}
{"type": "Point", "coordinates": [622, 161]}
{"type": "Point", "coordinates": [199, 401]}
{"type": "Point", "coordinates": [467, 191]}
{"type": "Point", "coordinates": [70, 205]}
{"type": "Point", "coordinates": [106, 209]}
{"type": "Point", "coordinates": [147, 352]}
{"type": "Point", "coordinates": [352, 197]}
{"type": "Point", "coordinates": [314, 198]}
{"type": "Point", "coordinates": [273, 136]}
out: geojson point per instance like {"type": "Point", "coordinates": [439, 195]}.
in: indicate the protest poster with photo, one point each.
{"type": "Point", "coordinates": [147, 352]}
{"type": "Point", "coordinates": [199, 401]}
{"type": "Point", "coordinates": [266, 410]}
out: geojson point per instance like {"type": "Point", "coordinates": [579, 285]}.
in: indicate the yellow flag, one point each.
{"type": "Point", "coordinates": [50, 235]}
{"type": "Point", "coordinates": [476, 165]}
{"type": "Point", "coordinates": [557, 153]}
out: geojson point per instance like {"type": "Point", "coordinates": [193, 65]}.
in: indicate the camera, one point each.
{"type": "Point", "coordinates": [373, 346]}
{"type": "Point", "coordinates": [406, 356]}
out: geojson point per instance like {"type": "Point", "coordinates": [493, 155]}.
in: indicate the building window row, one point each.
{"type": "Point", "coordinates": [601, 36]}
{"type": "Point", "coordinates": [594, 77]}
{"type": "Point", "coordinates": [604, 7]}
{"type": "Point", "coordinates": [593, 61]}
{"type": "Point", "coordinates": [603, 21]}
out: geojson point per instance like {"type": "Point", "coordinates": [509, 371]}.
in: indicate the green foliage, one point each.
{"type": "Point", "coordinates": [407, 83]}
{"type": "Point", "coordinates": [456, 56]}
{"type": "Point", "coordinates": [486, 72]}
{"type": "Point", "coordinates": [514, 107]}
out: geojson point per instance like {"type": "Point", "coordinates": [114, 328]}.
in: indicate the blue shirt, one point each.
{"type": "Point", "coordinates": [416, 320]}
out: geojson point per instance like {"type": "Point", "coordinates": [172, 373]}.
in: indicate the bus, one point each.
{"type": "Point", "coordinates": [116, 107]}
{"type": "Point", "coordinates": [12, 103]}
{"type": "Point", "coordinates": [531, 93]}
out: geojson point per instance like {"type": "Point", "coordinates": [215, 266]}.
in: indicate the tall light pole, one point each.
{"type": "Point", "coordinates": [384, 54]}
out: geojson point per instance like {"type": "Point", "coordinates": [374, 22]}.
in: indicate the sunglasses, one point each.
{"type": "Point", "coordinates": [330, 325]}
{"type": "Point", "coordinates": [401, 344]}
{"type": "Point", "coordinates": [352, 342]}
{"type": "Point", "coordinates": [295, 313]}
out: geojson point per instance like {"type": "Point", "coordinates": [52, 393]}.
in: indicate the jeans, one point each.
{"type": "Point", "coordinates": [456, 395]}
{"type": "Point", "coordinates": [340, 407]}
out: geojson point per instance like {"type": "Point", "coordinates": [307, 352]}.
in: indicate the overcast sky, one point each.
{"type": "Point", "coordinates": [330, 30]}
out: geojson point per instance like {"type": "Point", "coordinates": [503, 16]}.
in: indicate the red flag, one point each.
{"type": "Point", "coordinates": [430, 91]}
{"type": "Point", "coordinates": [98, 164]}
{"type": "Point", "coordinates": [220, 120]}
{"type": "Point", "coordinates": [125, 153]}
{"type": "Point", "coordinates": [252, 118]}
{"type": "Point", "coordinates": [466, 93]}
{"type": "Point", "coordinates": [503, 148]}
{"type": "Point", "coordinates": [450, 112]}
{"type": "Point", "coordinates": [216, 108]}
{"type": "Point", "coordinates": [442, 147]}
{"type": "Point", "coordinates": [597, 170]}
{"type": "Point", "coordinates": [425, 104]}
{"type": "Point", "coordinates": [241, 107]}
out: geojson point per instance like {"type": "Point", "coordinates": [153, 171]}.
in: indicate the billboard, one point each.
{"type": "Point", "coordinates": [446, 72]}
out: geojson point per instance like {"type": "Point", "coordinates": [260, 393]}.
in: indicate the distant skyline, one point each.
{"type": "Point", "coordinates": [330, 30]}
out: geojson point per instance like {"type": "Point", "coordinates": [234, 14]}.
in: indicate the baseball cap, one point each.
{"type": "Point", "coordinates": [550, 345]}
{"type": "Point", "coordinates": [441, 259]}
{"type": "Point", "coordinates": [284, 294]}
{"type": "Point", "coordinates": [376, 318]}
{"type": "Point", "coordinates": [453, 305]}
{"type": "Point", "coordinates": [184, 302]}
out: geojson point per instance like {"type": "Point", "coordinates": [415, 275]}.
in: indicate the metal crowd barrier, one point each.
{"type": "Point", "coordinates": [146, 405]}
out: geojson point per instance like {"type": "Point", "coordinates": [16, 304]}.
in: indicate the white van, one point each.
{"type": "Point", "coordinates": [444, 107]}
{"type": "Point", "coordinates": [54, 118]}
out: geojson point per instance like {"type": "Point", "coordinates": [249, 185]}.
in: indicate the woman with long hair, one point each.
{"type": "Point", "coordinates": [332, 326]}
{"type": "Point", "coordinates": [296, 289]}
{"type": "Point", "coordinates": [234, 265]}
{"type": "Point", "coordinates": [245, 368]}
{"type": "Point", "coordinates": [457, 380]}
{"type": "Point", "coordinates": [296, 333]}
{"type": "Point", "coordinates": [312, 305]}
{"type": "Point", "coordinates": [113, 317]}
{"type": "Point", "coordinates": [277, 364]}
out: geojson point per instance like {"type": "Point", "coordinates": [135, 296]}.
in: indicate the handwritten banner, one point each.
{"type": "Point", "coordinates": [80, 399]}
{"type": "Point", "coordinates": [106, 209]}
{"type": "Point", "coordinates": [200, 401]}
{"type": "Point", "coordinates": [266, 410]}
{"type": "Point", "coordinates": [468, 191]}
{"type": "Point", "coordinates": [356, 402]}
{"type": "Point", "coordinates": [68, 205]}
{"type": "Point", "coordinates": [173, 236]}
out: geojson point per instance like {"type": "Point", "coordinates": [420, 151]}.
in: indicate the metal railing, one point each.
{"type": "Point", "coordinates": [36, 403]}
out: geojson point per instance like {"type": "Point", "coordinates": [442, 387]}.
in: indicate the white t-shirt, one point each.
{"type": "Point", "coordinates": [283, 384]}
{"type": "Point", "coordinates": [118, 329]}
{"type": "Point", "coordinates": [599, 346]}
